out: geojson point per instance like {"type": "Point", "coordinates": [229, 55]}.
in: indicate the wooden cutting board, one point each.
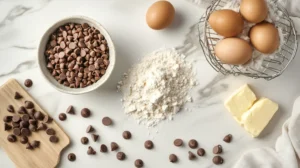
{"type": "Point", "coordinates": [48, 154]}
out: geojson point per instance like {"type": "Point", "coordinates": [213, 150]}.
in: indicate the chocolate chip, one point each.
{"type": "Point", "coordinates": [7, 118]}
{"type": "Point", "coordinates": [17, 131]}
{"type": "Point", "coordinates": [31, 113]}
{"type": "Point", "coordinates": [71, 157]}
{"type": "Point", "coordinates": [173, 158]}
{"type": "Point", "coordinates": [138, 163]}
{"type": "Point", "coordinates": [201, 152]}
{"type": "Point", "coordinates": [39, 115]}
{"type": "Point", "coordinates": [23, 140]}
{"type": "Point", "coordinates": [70, 110]}
{"type": "Point", "coordinates": [50, 131]}
{"type": "Point", "coordinates": [217, 149]}
{"type": "Point", "coordinates": [121, 156]}
{"type": "Point", "coordinates": [7, 127]}
{"type": "Point", "coordinates": [11, 138]}
{"type": "Point", "coordinates": [22, 110]}
{"type": "Point", "coordinates": [90, 129]}
{"type": "Point", "coordinates": [16, 118]}
{"type": "Point", "coordinates": [25, 117]}
{"type": "Point", "coordinates": [62, 116]}
{"type": "Point", "coordinates": [126, 135]}
{"type": "Point", "coordinates": [32, 121]}
{"type": "Point", "coordinates": [192, 156]}
{"type": "Point", "coordinates": [28, 83]}
{"type": "Point", "coordinates": [95, 137]}
{"type": "Point", "coordinates": [85, 112]}
{"type": "Point", "coordinates": [18, 96]}
{"type": "Point", "coordinates": [47, 119]}
{"type": "Point", "coordinates": [217, 160]}
{"type": "Point", "coordinates": [106, 121]}
{"type": "Point", "coordinates": [193, 144]}
{"type": "Point", "coordinates": [15, 125]}
{"type": "Point", "coordinates": [84, 140]}
{"type": "Point", "coordinates": [178, 142]}
{"type": "Point", "coordinates": [32, 128]}
{"type": "Point", "coordinates": [41, 126]}
{"type": "Point", "coordinates": [148, 144]}
{"type": "Point", "coordinates": [91, 151]}
{"type": "Point", "coordinates": [25, 132]}
{"type": "Point", "coordinates": [103, 148]}
{"type": "Point", "coordinates": [29, 146]}
{"type": "Point", "coordinates": [10, 109]}
{"type": "Point", "coordinates": [227, 138]}
{"type": "Point", "coordinates": [53, 139]}
{"type": "Point", "coordinates": [35, 144]}
{"type": "Point", "coordinates": [29, 105]}
{"type": "Point", "coordinates": [24, 124]}
{"type": "Point", "coordinates": [114, 146]}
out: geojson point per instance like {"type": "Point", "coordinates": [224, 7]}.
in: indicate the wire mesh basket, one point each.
{"type": "Point", "coordinates": [261, 66]}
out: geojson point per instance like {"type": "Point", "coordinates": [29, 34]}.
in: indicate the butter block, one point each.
{"type": "Point", "coordinates": [240, 101]}
{"type": "Point", "coordinates": [258, 116]}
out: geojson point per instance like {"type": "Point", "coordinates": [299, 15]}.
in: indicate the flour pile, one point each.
{"type": "Point", "coordinates": [157, 87]}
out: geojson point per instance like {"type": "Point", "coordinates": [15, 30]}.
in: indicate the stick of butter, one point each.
{"type": "Point", "coordinates": [258, 116]}
{"type": "Point", "coordinates": [240, 101]}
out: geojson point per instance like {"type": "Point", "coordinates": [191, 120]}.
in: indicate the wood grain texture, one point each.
{"type": "Point", "coordinates": [48, 154]}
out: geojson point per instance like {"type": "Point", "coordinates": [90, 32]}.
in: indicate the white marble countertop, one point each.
{"type": "Point", "coordinates": [22, 23]}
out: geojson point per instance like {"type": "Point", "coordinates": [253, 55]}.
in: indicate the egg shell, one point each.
{"type": "Point", "coordinates": [254, 11]}
{"type": "Point", "coordinates": [227, 23]}
{"type": "Point", "coordinates": [160, 15]}
{"type": "Point", "coordinates": [265, 37]}
{"type": "Point", "coordinates": [234, 51]}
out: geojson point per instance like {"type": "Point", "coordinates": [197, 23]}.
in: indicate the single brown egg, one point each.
{"type": "Point", "coordinates": [254, 11]}
{"type": "Point", "coordinates": [160, 15]}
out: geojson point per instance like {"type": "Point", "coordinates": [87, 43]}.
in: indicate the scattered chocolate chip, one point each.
{"type": "Point", "coordinates": [217, 160]}
{"type": "Point", "coordinates": [28, 83]}
{"type": "Point", "coordinates": [15, 125]}
{"type": "Point", "coordinates": [7, 127]}
{"type": "Point", "coordinates": [173, 158]}
{"type": "Point", "coordinates": [53, 139]}
{"type": "Point", "coordinates": [29, 104]}
{"type": "Point", "coordinates": [16, 118]}
{"type": "Point", "coordinates": [47, 119]}
{"type": "Point", "coordinates": [148, 144]}
{"type": "Point", "coordinates": [50, 131]}
{"type": "Point", "coordinates": [201, 152]}
{"type": "Point", "coordinates": [70, 110]}
{"type": "Point", "coordinates": [32, 121]}
{"type": "Point", "coordinates": [106, 121]}
{"type": "Point", "coordinates": [7, 118]}
{"type": "Point", "coordinates": [114, 146]}
{"type": "Point", "coordinates": [10, 109]}
{"type": "Point", "coordinates": [41, 126]}
{"type": "Point", "coordinates": [103, 148]}
{"type": "Point", "coordinates": [11, 138]}
{"type": "Point", "coordinates": [17, 131]}
{"type": "Point", "coordinates": [71, 157]}
{"type": "Point", "coordinates": [22, 110]}
{"type": "Point", "coordinates": [39, 115]}
{"type": "Point", "coordinates": [84, 140]}
{"type": "Point", "coordinates": [35, 144]}
{"type": "Point", "coordinates": [18, 96]}
{"type": "Point", "coordinates": [217, 149]}
{"type": "Point", "coordinates": [85, 112]}
{"type": "Point", "coordinates": [138, 163]}
{"type": "Point", "coordinates": [126, 135]}
{"type": "Point", "coordinates": [193, 144]}
{"type": "Point", "coordinates": [29, 146]}
{"type": "Point", "coordinates": [227, 138]}
{"type": "Point", "coordinates": [23, 139]}
{"type": "Point", "coordinates": [62, 116]}
{"type": "Point", "coordinates": [25, 132]}
{"type": "Point", "coordinates": [121, 156]}
{"type": "Point", "coordinates": [25, 117]}
{"type": "Point", "coordinates": [178, 142]}
{"type": "Point", "coordinates": [90, 129]}
{"type": "Point", "coordinates": [24, 124]}
{"type": "Point", "coordinates": [192, 156]}
{"type": "Point", "coordinates": [91, 151]}
{"type": "Point", "coordinates": [32, 128]}
{"type": "Point", "coordinates": [95, 137]}
{"type": "Point", "coordinates": [31, 113]}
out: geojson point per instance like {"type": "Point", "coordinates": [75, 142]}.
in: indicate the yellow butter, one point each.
{"type": "Point", "coordinates": [258, 116]}
{"type": "Point", "coordinates": [240, 101]}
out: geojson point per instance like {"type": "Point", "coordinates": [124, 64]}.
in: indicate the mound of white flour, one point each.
{"type": "Point", "coordinates": [157, 87]}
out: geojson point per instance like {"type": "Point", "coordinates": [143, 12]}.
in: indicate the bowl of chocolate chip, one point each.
{"type": "Point", "coordinates": [76, 55]}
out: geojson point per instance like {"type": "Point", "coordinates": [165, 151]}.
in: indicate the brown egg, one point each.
{"type": "Point", "coordinates": [227, 23]}
{"type": "Point", "coordinates": [254, 11]}
{"type": "Point", "coordinates": [264, 37]}
{"type": "Point", "coordinates": [160, 15]}
{"type": "Point", "coordinates": [233, 51]}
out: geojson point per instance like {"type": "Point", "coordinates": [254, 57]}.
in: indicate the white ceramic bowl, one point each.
{"type": "Point", "coordinates": [42, 57]}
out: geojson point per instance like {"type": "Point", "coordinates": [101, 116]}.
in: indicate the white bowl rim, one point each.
{"type": "Point", "coordinates": [50, 78]}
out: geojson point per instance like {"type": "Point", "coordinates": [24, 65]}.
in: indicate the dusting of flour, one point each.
{"type": "Point", "coordinates": [157, 87]}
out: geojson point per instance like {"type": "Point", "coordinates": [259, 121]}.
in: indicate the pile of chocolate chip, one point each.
{"type": "Point", "coordinates": [77, 55]}
{"type": "Point", "coordinates": [27, 120]}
